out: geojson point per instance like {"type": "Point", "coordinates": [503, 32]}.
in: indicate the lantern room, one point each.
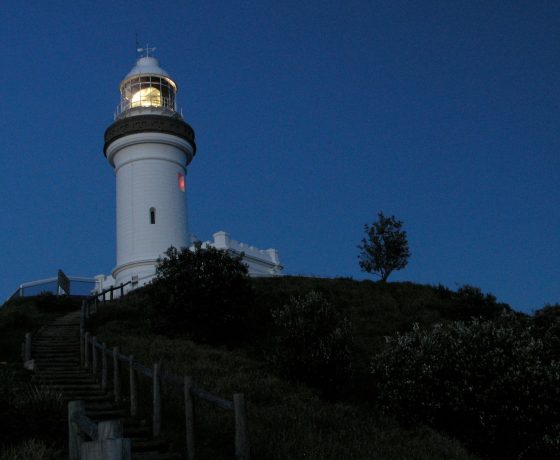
{"type": "Point", "coordinates": [147, 89]}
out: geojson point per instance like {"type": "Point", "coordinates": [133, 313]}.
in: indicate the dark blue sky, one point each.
{"type": "Point", "coordinates": [310, 118]}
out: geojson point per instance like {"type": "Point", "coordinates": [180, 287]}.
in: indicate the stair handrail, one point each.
{"type": "Point", "coordinates": [89, 352]}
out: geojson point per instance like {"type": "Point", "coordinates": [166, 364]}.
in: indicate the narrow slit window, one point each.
{"type": "Point", "coordinates": [152, 215]}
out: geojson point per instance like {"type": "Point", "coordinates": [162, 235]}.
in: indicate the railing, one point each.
{"type": "Point", "coordinates": [106, 438]}
{"type": "Point", "coordinates": [91, 302]}
{"type": "Point", "coordinates": [95, 356]}
{"type": "Point", "coordinates": [81, 286]}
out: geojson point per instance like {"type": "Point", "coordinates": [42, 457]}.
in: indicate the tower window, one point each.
{"type": "Point", "coordinates": [181, 179]}
{"type": "Point", "coordinates": [152, 215]}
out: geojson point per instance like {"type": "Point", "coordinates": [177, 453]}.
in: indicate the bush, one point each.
{"type": "Point", "coordinates": [31, 449]}
{"type": "Point", "coordinates": [547, 323]}
{"type": "Point", "coordinates": [28, 411]}
{"type": "Point", "coordinates": [486, 382]}
{"type": "Point", "coordinates": [204, 292]}
{"type": "Point", "coordinates": [313, 343]}
{"type": "Point", "coordinates": [48, 302]}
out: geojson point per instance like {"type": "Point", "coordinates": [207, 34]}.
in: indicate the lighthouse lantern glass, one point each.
{"type": "Point", "coordinates": [148, 91]}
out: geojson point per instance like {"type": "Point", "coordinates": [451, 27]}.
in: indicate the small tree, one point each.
{"type": "Point", "coordinates": [204, 292]}
{"type": "Point", "coordinates": [385, 247]}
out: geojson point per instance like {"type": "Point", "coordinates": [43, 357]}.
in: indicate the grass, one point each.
{"type": "Point", "coordinates": [30, 416]}
{"type": "Point", "coordinates": [32, 449]}
{"type": "Point", "coordinates": [27, 314]}
{"type": "Point", "coordinates": [287, 420]}
{"type": "Point", "coordinates": [33, 419]}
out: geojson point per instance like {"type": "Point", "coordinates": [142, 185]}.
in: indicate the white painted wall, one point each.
{"type": "Point", "coordinates": [146, 168]}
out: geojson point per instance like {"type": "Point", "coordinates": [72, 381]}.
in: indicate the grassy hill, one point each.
{"type": "Point", "coordinates": [288, 418]}
{"type": "Point", "coordinates": [33, 420]}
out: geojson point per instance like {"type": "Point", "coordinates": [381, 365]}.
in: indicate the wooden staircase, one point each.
{"type": "Point", "coordinates": [56, 351]}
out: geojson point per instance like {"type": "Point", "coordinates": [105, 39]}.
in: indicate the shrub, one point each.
{"type": "Point", "coordinates": [313, 342]}
{"type": "Point", "coordinates": [31, 449]}
{"type": "Point", "coordinates": [487, 382]}
{"type": "Point", "coordinates": [28, 411]}
{"type": "Point", "coordinates": [547, 323]}
{"type": "Point", "coordinates": [48, 302]}
{"type": "Point", "coordinates": [204, 292]}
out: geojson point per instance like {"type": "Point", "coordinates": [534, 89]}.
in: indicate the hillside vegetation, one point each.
{"type": "Point", "coordinates": [33, 419]}
{"type": "Point", "coordinates": [338, 368]}
{"type": "Point", "coordinates": [288, 419]}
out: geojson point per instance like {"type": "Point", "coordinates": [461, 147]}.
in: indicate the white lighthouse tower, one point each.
{"type": "Point", "coordinates": [149, 145]}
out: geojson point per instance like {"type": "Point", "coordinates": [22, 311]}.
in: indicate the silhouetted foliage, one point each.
{"type": "Point", "coordinates": [313, 343]}
{"type": "Point", "coordinates": [204, 292]}
{"type": "Point", "coordinates": [29, 411]}
{"type": "Point", "coordinates": [48, 302]}
{"type": "Point", "coordinates": [469, 302]}
{"type": "Point", "coordinates": [547, 324]}
{"type": "Point", "coordinates": [489, 383]}
{"type": "Point", "coordinates": [385, 248]}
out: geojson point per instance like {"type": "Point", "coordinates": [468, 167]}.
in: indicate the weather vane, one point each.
{"type": "Point", "coordinates": [146, 50]}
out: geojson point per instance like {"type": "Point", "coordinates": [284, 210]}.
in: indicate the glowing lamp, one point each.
{"type": "Point", "coordinates": [147, 85]}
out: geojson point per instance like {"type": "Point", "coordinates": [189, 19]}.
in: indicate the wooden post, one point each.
{"type": "Point", "coordinates": [91, 451]}
{"type": "Point", "coordinates": [109, 429]}
{"type": "Point", "coordinates": [104, 369]}
{"type": "Point", "coordinates": [157, 402]}
{"type": "Point", "coordinates": [133, 389]}
{"type": "Point", "coordinates": [27, 346]}
{"type": "Point", "coordinates": [122, 291]}
{"type": "Point", "coordinates": [189, 418]}
{"type": "Point", "coordinates": [86, 350]}
{"type": "Point", "coordinates": [82, 346]}
{"type": "Point", "coordinates": [242, 451]}
{"type": "Point", "coordinates": [111, 295]}
{"type": "Point", "coordinates": [109, 449]}
{"type": "Point", "coordinates": [110, 444]}
{"type": "Point", "coordinates": [83, 315]}
{"type": "Point", "coordinates": [116, 376]}
{"type": "Point", "coordinates": [94, 356]}
{"type": "Point", "coordinates": [74, 439]}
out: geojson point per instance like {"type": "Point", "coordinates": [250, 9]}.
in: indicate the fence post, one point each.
{"type": "Point", "coordinates": [133, 388]}
{"type": "Point", "coordinates": [110, 444]}
{"type": "Point", "coordinates": [83, 314]}
{"type": "Point", "coordinates": [157, 402]}
{"type": "Point", "coordinates": [109, 429]}
{"type": "Point", "coordinates": [122, 291]}
{"type": "Point", "coordinates": [103, 366]}
{"type": "Point", "coordinates": [94, 356]}
{"type": "Point", "coordinates": [27, 346]}
{"type": "Point", "coordinates": [189, 418]}
{"type": "Point", "coordinates": [111, 295]}
{"type": "Point", "coordinates": [74, 440]}
{"type": "Point", "coordinates": [82, 358]}
{"type": "Point", "coordinates": [116, 376]}
{"type": "Point", "coordinates": [86, 350]}
{"type": "Point", "coordinates": [241, 432]}
{"type": "Point", "coordinates": [114, 446]}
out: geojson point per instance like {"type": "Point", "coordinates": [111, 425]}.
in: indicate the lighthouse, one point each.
{"type": "Point", "coordinates": [149, 145]}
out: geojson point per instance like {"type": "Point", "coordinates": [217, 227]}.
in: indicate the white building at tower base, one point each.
{"type": "Point", "coordinates": [260, 262]}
